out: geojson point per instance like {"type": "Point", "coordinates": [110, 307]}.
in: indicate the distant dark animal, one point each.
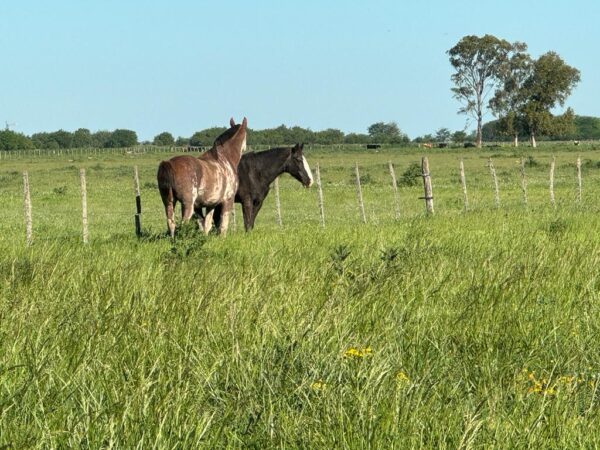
{"type": "Point", "coordinates": [208, 181]}
{"type": "Point", "coordinates": [372, 146]}
{"type": "Point", "coordinates": [469, 145]}
{"type": "Point", "coordinates": [257, 171]}
{"type": "Point", "coordinates": [442, 144]}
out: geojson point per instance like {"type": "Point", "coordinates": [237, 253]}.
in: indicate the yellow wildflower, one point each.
{"type": "Point", "coordinates": [402, 379]}
{"type": "Point", "coordinates": [358, 352]}
{"type": "Point", "coordinates": [566, 379]}
{"type": "Point", "coordinates": [318, 385]}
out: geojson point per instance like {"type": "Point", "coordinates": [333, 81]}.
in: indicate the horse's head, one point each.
{"type": "Point", "coordinates": [298, 167]}
{"type": "Point", "coordinates": [232, 142]}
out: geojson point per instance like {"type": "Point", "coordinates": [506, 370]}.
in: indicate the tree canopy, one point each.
{"type": "Point", "coordinates": [122, 138]}
{"type": "Point", "coordinates": [386, 133]}
{"type": "Point", "coordinates": [478, 63]}
{"type": "Point", "coordinates": [165, 138]}
{"type": "Point", "coordinates": [530, 90]}
{"type": "Point", "coordinates": [10, 140]}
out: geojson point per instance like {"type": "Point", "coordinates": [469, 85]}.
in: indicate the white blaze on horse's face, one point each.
{"type": "Point", "coordinates": [307, 168]}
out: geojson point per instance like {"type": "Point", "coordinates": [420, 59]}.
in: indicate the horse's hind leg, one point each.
{"type": "Point", "coordinates": [199, 217]}
{"type": "Point", "coordinates": [169, 210]}
{"type": "Point", "coordinates": [208, 219]}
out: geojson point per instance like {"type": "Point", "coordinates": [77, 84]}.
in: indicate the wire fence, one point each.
{"type": "Point", "coordinates": [103, 202]}
{"type": "Point", "coordinates": [151, 149]}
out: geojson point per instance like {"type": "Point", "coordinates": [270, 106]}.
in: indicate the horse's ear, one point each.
{"type": "Point", "coordinates": [231, 122]}
{"type": "Point", "coordinates": [245, 123]}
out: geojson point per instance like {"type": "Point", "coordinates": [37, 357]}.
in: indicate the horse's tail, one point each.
{"type": "Point", "coordinates": [165, 179]}
{"type": "Point", "coordinates": [166, 182]}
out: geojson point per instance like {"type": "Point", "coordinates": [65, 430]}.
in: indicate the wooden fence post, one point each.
{"type": "Point", "coordinates": [495, 181]}
{"type": "Point", "coordinates": [579, 179]}
{"type": "Point", "coordinates": [552, 165]}
{"type": "Point", "coordinates": [138, 202]}
{"type": "Point", "coordinates": [320, 192]}
{"type": "Point", "coordinates": [277, 203]}
{"type": "Point", "coordinates": [361, 205]}
{"type": "Point", "coordinates": [523, 181]}
{"type": "Point", "coordinates": [27, 209]}
{"type": "Point", "coordinates": [463, 183]}
{"type": "Point", "coordinates": [395, 188]}
{"type": "Point", "coordinates": [427, 185]}
{"type": "Point", "coordinates": [84, 218]}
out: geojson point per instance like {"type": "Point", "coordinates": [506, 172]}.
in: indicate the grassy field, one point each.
{"type": "Point", "coordinates": [475, 329]}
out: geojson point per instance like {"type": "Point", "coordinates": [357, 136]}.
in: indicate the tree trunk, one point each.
{"type": "Point", "coordinates": [479, 138]}
{"type": "Point", "coordinates": [516, 140]}
{"type": "Point", "coordinates": [533, 143]}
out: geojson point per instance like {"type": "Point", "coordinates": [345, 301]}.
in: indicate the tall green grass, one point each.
{"type": "Point", "coordinates": [458, 330]}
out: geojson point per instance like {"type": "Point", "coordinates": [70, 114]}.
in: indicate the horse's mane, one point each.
{"type": "Point", "coordinates": [226, 135]}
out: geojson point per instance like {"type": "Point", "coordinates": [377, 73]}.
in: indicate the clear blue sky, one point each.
{"type": "Point", "coordinates": [182, 66]}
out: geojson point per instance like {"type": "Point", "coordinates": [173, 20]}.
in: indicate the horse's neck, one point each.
{"type": "Point", "coordinates": [226, 154]}
{"type": "Point", "coordinates": [273, 166]}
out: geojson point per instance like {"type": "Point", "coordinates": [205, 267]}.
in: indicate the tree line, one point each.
{"type": "Point", "coordinates": [380, 133]}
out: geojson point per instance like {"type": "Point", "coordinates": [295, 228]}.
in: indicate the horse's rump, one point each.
{"type": "Point", "coordinates": [166, 180]}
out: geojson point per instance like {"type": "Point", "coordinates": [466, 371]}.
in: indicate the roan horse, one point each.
{"type": "Point", "coordinates": [257, 171]}
{"type": "Point", "coordinates": [209, 180]}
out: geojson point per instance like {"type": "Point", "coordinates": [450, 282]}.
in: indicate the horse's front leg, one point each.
{"type": "Point", "coordinates": [187, 211]}
{"type": "Point", "coordinates": [255, 209]}
{"type": "Point", "coordinates": [247, 206]}
{"type": "Point", "coordinates": [226, 208]}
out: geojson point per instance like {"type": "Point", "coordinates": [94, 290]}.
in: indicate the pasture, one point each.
{"type": "Point", "coordinates": [474, 329]}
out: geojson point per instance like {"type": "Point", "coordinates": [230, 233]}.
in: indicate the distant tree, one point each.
{"type": "Point", "coordinates": [182, 141]}
{"type": "Point", "coordinates": [386, 133]}
{"type": "Point", "coordinates": [357, 138]}
{"type": "Point", "coordinates": [510, 96]}
{"type": "Point", "coordinates": [81, 138]}
{"type": "Point", "coordinates": [101, 138]}
{"type": "Point", "coordinates": [122, 138]}
{"type": "Point", "coordinates": [477, 62]}
{"type": "Point", "coordinates": [424, 138]}
{"type": "Point", "coordinates": [63, 138]}
{"type": "Point", "coordinates": [459, 136]}
{"type": "Point", "coordinates": [43, 140]}
{"type": "Point", "coordinates": [10, 140]}
{"type": "Point", "coordinates": [206, 137]}
{"type": "Point", "coordinates": [549, 85]}
{"type": "Point", "coordinates": [443, 135]}
{"type": "Point", "coordinates": [164, 139]}
{"type": "Point", "coordinates": [586, 128]}
{"type": "Point", "coordinates": [277, 135]}
{"type": "Point", "coordinates": [302, 135]}
{"type": "Point", "coordinates": [55, 139]}
{"type": "Point", "coordinates": [330, 136]}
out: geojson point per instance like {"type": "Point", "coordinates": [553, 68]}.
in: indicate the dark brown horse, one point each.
{"type": "Point", "coordinates": [208, 181]}
{"type": "Point", "coordinates": [257, 171]}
